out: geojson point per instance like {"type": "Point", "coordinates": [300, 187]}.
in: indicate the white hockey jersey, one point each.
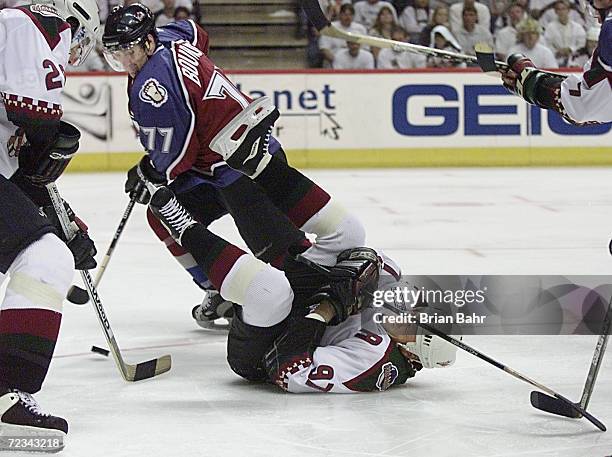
{"type": "Point", "coordinates": [588, 97]}
{"type": "Point", "coordinates": [354, 356]}
{"type": "Point", "coordinates": [34, 50]}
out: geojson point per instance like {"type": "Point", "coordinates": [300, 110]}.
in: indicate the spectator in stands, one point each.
{"type": "Point", "coordinates": [392, 59]}
{"type": "Point", "coordinates": [582, 55]}
{"type": "Point", "coordinates": [383, 26]}
{"type": "Point", "coordinates": [158, 5]}
{"type": "Point", "coordinates": [455, 14]}
{"type": "Point", "coordinates": [415, 18]}
{"type": "Point", "coordinates": [439, 17]}
{"type": "Point", "coordinates": [576, 14]}
{"type": "Point", "coordinates": [329, 46]}
{"type": "Point", "coordinates": [181, 13]}
{"type": "Point", "coordinates": [506, 37]}
{"type": "Point", "coordinates": [528, 44]}
{"type": "Point", "coordinates": [166, 15]}
{"type": "Point", "coordinates": [471, 32]}
{"type": "Point", "coordinates": [563, 35]}
{"type": "Point", "coordinates": [442, 38]}
{"type": "Point", "coordinates": [332, 8]}
{"type": "Point", "coordinates": [353, 58]}
{"type": "Point", "coordinates": [366, 11]}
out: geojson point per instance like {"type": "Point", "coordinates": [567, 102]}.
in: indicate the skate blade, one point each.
{"type": "Point", "coordinates": [24, 439]}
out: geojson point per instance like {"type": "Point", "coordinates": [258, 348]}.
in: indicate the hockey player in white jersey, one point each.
{"type": "Point", "coordinates": [36, 43]}
{"type": "Point", "coordinates": [580, 99]}
{"type": "Point", "coordinates": [305, 332]}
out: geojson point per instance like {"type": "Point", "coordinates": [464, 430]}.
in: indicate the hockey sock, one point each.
{"type": "Point", "coordinates": [215, 255]}
{"type": "Point", "coordinates": [292, 192]}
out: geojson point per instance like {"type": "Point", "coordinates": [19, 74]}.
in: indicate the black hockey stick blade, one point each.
{"type": "Point", "coordinates": [579, 410]}
{"type": "Point", "coordinates": [551, 405]}
{"type": "Point", "coordinates": [148, 369]}
{"type": "Point", "coordinates": [485, 57]}
{"type": "Point", "coordinates": [77, 295]}
{"type": "Point", "coordinates": [315, 14]}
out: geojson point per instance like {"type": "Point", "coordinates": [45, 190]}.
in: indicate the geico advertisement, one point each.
{"type": "Point", "coordinates": [355, 110]}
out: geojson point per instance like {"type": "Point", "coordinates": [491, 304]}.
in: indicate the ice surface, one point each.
{"type": "Point", "coordinates": [440, 221]}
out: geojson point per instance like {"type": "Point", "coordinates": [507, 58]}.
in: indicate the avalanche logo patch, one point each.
{"type": "Point", "coordinates": [388, 375]}
{"type": "Point", "coordinates": [153, 92]}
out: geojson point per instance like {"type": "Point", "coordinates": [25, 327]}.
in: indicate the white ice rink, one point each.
{"type": "Point", "coordinates": [440, 221]}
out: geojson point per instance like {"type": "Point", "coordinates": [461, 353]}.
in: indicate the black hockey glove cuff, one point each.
{"type": "Point", "coordinates": [42, 167]}
{"type": "Point", "coordinates": [80, 244]}
{"type": "Point", "coordinates": [293, 350]}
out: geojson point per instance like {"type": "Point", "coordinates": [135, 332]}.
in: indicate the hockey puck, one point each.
{"type": "Point", "coordinates": [98, 350]}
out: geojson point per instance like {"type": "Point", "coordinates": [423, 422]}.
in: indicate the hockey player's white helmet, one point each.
{"type": "Point", "coordinates": [431, 351]}
{"type": "Point", "coordinates": [84, 20]}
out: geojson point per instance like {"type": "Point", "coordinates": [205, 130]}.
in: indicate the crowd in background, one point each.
{"type": "Point", "coordinates": [165, 11]}
{"type": "Point", "coordinates": [552, 33]}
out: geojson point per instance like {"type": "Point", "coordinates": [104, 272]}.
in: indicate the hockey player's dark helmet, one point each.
{"type": "Point", "coordinates": [127, 26]}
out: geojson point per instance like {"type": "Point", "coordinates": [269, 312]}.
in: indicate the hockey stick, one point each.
{"type": "Point", "coordinates": [79, 296]}
{"type": "Point", "coordinates": [558, 397]}
{"type": "Point", "coordinates": [319, 20]}
{"type": "Point", "coordinates": [552, 405]}
{"type": "Point", "coordinates": [142, 370]}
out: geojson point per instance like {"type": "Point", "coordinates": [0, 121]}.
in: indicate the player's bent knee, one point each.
{"type": "Point", "coordinates": [263, 291]}
{"type": "Point", "coordinates": [41, 274]}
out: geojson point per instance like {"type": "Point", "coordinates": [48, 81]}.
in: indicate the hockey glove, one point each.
{"type": "Point", "coordinates": [44, 167]}
{"type": "Point", "coordinates": [136, 188]}
{"type": "Point", "coordinates": [82, 247]}
{"type": "Point", "coordinates": [352, 282]}
{"type": "Point", "coordinates": [293, 350]}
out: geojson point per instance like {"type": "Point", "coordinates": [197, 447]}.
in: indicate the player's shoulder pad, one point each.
{"type": "Point", "coordinates": [157, 81]}
{"type": "Point", "coordinates": [605, 43]}
{"type": "Point", "coordinates": [186, 30]}
{"type": "Point", "coordinates": [47, 22]}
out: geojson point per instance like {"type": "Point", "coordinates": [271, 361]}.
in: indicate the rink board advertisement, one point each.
{"type": "Point", "coordinates": [338, 119]}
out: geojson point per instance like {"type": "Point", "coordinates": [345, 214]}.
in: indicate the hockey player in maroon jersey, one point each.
{"type": "Point", "coordinates": [312, 335]}
{"type": "Point", "coordinates": [36, 43]}
{"type": "Point", "coordinates": [213, 144]}
{"type": "Point", "coordinates": [581, 99]}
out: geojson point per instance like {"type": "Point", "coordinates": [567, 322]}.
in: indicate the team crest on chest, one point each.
{"type": "Point", "coordinates": [388, 375]}
{"type": "Point", "coordinates": [153, 92]}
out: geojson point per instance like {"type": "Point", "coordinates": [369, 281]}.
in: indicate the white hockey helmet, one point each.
{"type": "Point", "coordinates": [84, 20]}
{"type": "Point", "coordinates": [431, 350]}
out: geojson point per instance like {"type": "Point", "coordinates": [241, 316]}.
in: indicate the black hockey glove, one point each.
{"type": "Point", "coordinates": [353, 281]}
{"type": "Point", "coordinates": [137, 178]}
{"type": "Point", "coordinates": [293, 349]}
{"type": "Point", "coordinates": [42, 167]}
{"type": "Point", "coordinates": [82, 247]}
{"type": "Point", "coordinates": [534, 86]}
{"type": "Point", "coordinates": [136, 187]}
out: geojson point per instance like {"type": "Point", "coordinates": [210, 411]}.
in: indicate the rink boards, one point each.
{"type": "Point", "coordinates": [363, 119]}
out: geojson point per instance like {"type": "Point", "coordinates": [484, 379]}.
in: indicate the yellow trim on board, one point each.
{"type": "Point", "coordinates": [391, 158]}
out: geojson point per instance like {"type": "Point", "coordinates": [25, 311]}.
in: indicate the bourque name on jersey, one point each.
{"type": "Point", "coordinates": [187, 57]}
